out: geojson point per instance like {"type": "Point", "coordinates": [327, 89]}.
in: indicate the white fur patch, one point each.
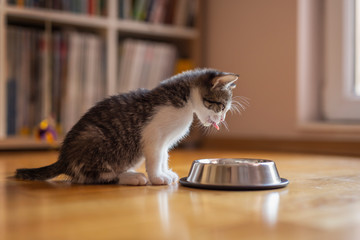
{"type": "Point", "coordinates": [168, 126]}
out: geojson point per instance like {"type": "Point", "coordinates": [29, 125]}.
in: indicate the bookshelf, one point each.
{"type": "Point", "coordinates": [111, 29]}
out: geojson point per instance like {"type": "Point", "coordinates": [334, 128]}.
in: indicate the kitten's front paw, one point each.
{"type": "Point", "coordinates": [160, 179]}
{"type": "Point", "coordinates": [172, 174]}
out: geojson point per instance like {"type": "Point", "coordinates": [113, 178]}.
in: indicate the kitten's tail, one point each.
{"type": "Point", "coordinates": [42, 173]}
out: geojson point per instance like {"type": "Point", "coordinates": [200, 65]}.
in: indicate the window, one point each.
{"type": "Point", "coordinates": [341, 88]}
{"type": "Point", "coordinates": [357, 48]}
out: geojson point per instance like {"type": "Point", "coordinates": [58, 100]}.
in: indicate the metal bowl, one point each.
{"type": "Point", "coordinates": [230, 173]}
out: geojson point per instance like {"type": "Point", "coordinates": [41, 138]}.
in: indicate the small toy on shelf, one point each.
{"type": "Point", "coordinates": [46, 132]}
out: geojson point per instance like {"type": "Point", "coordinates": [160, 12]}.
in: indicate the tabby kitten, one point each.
{"type": "Point", "coordinates": [119, 133]}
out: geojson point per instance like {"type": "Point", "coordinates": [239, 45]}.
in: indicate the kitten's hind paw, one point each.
{"type": "Point", "coordinates": [132, 178]}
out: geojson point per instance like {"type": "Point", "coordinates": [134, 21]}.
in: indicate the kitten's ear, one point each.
{"type": "Point", "coordinates": [225, 81]}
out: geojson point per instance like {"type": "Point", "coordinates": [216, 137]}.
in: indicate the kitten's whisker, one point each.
{"type": "Point", "coordinates": [242, 99]}
{"type": "Point", "coordinates": [245, 100]}
{"type": "Point", "coordinates": [243, 104]}
{"type": "Point", "coordinates": [239, 105]}
{"type": "Point", "coordinates": [235, 108]}
{"type": "Point", "coordinates": [207, 130]}
{"type": "Point", "coordinates": [225, 125]}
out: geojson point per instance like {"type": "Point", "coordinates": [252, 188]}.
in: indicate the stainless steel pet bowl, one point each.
{"type": "Point", "coordinates": [236, 174]}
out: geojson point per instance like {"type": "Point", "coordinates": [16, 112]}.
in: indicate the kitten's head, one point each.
{"type": "Point", "coordinates": [214, 97]}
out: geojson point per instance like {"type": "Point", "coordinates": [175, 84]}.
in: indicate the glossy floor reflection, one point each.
{"type": "Point", "coordinates": [321, 202]}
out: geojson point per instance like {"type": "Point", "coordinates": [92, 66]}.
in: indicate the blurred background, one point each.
{"type": "Point", "coordinates": [296, 61]}
{"type": "Point", "coordinates": [257, 40]}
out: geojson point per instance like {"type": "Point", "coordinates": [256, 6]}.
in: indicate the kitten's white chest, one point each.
{"type": "Point", "coordinates": [169, 125]}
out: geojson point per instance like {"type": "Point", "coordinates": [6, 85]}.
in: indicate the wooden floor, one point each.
{"type": "Point", "coordinates": [322, 201]}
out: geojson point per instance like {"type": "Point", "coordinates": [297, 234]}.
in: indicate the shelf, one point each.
{"type": "Point", "coordinates": [127, 26]}
{"type": "Point", "coordinates": [161, 30]}
{"type": "Point", "coordinates": [57, 16]}
{"type": "Point", "coordinates": [26, 143]}
{"type": "Point", "coordinates": [334, 127]}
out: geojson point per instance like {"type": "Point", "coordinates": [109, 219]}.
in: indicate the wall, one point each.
{"type": "Point", "coordinates": [256, 39]}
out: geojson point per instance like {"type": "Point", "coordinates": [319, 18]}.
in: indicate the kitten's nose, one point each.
{"type": "Point", "coordinates": [217, 118]}
{"type": "Point", "coordinates": [223, 117]}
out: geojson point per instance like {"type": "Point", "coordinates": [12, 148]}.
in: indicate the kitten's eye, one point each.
{"type": "Point", "coordinates": [232, 86]}
{"type": "Point", "coordinates": [212, 102]}
{"type": "Point", "coordinates": [208, 103]}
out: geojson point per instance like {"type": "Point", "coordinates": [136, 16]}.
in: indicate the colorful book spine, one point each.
{"type": "Point", "coordinates": [89, 7]}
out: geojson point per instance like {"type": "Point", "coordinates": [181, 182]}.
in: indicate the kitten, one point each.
{"type": "Point", "coordinates": [119, 133]}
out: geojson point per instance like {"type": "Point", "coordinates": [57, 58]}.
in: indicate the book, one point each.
{"type": "Point", "coordinates": [180, 12]}
{"type": "Point", "coordinates": [127, 9]}
{"type": "Point", "coordinates": [140, 7]}
{"type": "Point", "coordinates": [143, 64]}
{"type": "Point", "coordinates": [11, 107]}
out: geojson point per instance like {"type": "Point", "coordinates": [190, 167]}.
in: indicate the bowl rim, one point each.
{"type": "Point", "coordinates": [237, 161]}
{"type": "Point", "coordinates": [284, 182]}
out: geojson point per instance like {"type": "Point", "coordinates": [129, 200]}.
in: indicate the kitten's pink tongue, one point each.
{"type": "Point", "coordinates": [215, 126]}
